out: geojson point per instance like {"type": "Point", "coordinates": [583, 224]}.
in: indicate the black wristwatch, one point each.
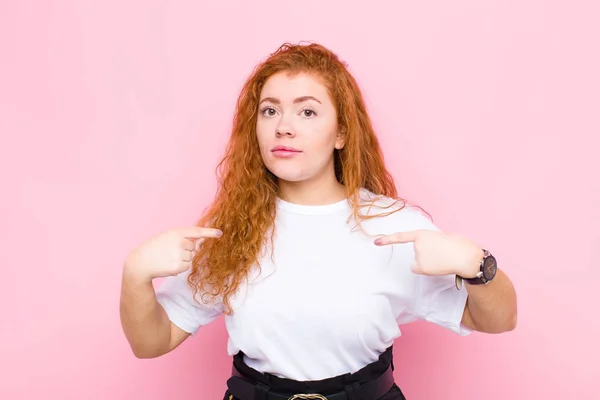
{"type": "Point", "coordinates": [487, 272]}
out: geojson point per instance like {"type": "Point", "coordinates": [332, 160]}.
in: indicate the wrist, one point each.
{"type": "Point", "coordinates": [134, 274]}
{"type": "Point", "coordinates": [487, 271]}
{"type": "Point", "coordinates": [473, 267]}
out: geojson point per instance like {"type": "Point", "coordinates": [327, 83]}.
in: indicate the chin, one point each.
{"type": "Point", "coordinates": [288, 175]}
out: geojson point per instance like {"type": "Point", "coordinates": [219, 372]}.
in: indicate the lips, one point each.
{"type": "Point", "coordinates": [285, 149]}
{"type": "Point", "coordinates": [285, 152]}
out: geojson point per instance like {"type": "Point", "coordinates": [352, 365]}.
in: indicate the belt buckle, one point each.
{"type": "Point", "coordinates": [307, 396]}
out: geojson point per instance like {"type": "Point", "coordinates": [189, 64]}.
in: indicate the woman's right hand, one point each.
{"type": "Point", "coordinates": [168, 253]}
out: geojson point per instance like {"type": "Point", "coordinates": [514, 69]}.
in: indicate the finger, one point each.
{"type": "Point", "coordinates": [415, 268]}
{"type": "Point", "coordinates": [188, 256]}
{"type": "Point", "coordinates": [396, 238]}
{"type": "Point", "coordinates": [186, 265]}
{"type": "Point", "coordinates": [187, 244]}
{"type": "Point", "coordinates": [199, 232]}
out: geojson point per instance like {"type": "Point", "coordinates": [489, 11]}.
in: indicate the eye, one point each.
{"type": "Point", "coordinates": [308, 113]}
{"type": "Point", "coordinates": [268, 111]}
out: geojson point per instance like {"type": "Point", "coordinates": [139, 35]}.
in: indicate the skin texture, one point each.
{"type": "Point", "coordinates": [297, 111]}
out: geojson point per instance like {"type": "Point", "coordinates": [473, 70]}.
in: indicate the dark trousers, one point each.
{"type": "Point", "coordinates": [330, 385]}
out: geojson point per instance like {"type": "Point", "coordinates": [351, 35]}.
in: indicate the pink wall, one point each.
{"type": "Point", "coordinates": [113, 115]}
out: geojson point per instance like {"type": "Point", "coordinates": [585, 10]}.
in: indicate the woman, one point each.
{"type": "Point", "coordinates": [308, 250]}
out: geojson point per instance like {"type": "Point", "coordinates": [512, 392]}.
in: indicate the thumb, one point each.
{"type": "Point", "coordinates": [197, 232]}
{"type": "Point", "coordinates": [397, 238]}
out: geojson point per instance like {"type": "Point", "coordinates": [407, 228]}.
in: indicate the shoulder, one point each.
{"type": "Point", "coordinates": [383, 212]}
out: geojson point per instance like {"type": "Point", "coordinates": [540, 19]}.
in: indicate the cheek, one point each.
{"type": "Point", "coordinates": [262, 135]}
{"type": "Point", "coordinates": [323, 139]}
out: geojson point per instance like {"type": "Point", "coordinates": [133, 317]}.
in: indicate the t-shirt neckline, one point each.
{"type": "Point", "coordinates": [304, 209]}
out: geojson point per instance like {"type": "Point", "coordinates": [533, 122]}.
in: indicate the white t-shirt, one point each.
{"type": "Point", "coordinates": [330, 300]}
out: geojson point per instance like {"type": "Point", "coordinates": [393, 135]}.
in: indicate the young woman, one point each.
{"type": "Point", "coordinates": [308, 250]}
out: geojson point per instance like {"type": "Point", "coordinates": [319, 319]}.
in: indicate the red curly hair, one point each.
{"type": "Point", "coordinates": [244, 207]}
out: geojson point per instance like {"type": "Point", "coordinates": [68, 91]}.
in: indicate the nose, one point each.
{"type": "Point", "coordinates": [284, 128]}
{"type": "Point", "coordinates": [284, 132]}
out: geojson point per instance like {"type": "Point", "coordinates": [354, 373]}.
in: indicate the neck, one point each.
{"type": "Point", "coordinates": [312, 193]}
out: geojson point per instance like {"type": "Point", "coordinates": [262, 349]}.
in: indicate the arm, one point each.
{"type": "Point", "coordinates": [491, 308]}
{"type": "Point", "coordinates": [146, 314]}
{"type": "Point", "coordinates": [144, 321]}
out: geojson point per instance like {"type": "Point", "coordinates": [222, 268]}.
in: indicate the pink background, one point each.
{"type": "Point", "coordinates": [113, 115]}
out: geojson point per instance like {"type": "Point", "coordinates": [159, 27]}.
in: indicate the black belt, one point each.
{"type": "Point", "coordinates": [242, 388]}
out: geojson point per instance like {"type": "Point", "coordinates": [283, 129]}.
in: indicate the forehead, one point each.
{"type": "Point", "coordinates": [287, 87]}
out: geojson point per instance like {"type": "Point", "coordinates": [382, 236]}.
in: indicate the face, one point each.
{"type": "Point", "coordinates": [297, 128]}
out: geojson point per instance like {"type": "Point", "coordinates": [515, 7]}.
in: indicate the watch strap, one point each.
{"type": "Point", "coordinates": [478, 280]}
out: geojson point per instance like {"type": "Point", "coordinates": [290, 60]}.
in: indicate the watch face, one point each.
{"type": "Point", "coordinates": [489, 268]}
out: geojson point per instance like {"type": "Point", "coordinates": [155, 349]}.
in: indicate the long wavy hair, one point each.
{"type": "Point", "coordinates": [244, 206]}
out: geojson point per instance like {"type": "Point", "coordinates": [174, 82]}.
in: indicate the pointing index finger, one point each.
{"type": "Point", "coordinates": [397, 238]}
{"type": "Point", "coordinates": [199, 232]}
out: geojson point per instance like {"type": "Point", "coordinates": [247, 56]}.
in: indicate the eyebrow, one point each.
{"type": "Point", "coordinates": [297, 100]}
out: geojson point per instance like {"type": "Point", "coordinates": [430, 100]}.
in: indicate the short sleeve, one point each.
{"type": "Point", "coordinates": [177, 298]}
{"type": "Point", "coordinates": [437, 300]}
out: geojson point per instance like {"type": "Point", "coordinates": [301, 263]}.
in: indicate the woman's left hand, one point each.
{"type": "Point", "coordinates": [439, 253]}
